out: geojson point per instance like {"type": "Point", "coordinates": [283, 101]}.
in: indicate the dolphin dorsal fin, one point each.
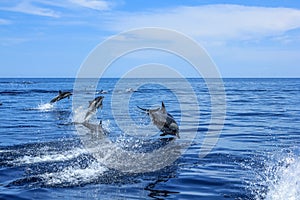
{"type": "Point", "coordinates": [59, 92]}
{"type": "Point", "coordinates": [163, 108]}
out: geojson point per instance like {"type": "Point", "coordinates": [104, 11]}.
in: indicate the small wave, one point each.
{"type": "Point", "coordinates": [14, 92]}
{"type": "Point", "coordinates": [18, 82]}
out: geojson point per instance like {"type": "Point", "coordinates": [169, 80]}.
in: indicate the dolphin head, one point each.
{"type": "Point", "coordinates": [174, 129]}
{"type": "Point", "coordinates": [96, 103]}
{"type": "Point", "coordinates": [100, 101]}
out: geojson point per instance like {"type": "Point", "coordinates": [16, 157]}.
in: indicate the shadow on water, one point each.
{"type": "Point", "coordinates": [161, 194]}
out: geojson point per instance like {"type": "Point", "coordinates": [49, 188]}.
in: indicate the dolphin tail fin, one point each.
{"type": "Point", "coordinates": [143, 109]}
{"type": "Point", "coordinates": [163, 108]}
{"type": "Point", "coordinates": [148, 111]}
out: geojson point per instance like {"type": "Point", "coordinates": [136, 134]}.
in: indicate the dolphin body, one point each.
{"type": "Point", "coordinates": [93, 106]}
{"type": "Point", "coordinates": [92, 132]}
{"type": "Point", "coordinates": [95, 128]}
{"type": "Point", "coordinates": [164, 121]}
{"type": "Point", "coordinates": [61, 95]}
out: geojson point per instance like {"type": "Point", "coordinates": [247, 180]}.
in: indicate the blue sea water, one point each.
{"type": "Point", "coordinates": [257, 155]}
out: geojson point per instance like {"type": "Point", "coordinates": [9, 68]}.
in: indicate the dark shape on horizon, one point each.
{"type": "Point", "coordinates": [102, 92]}
{"type": "Point", "coordinates": [61, 95]}
{"type": "Point", "coordinates": [130, 90]}
{"type": "Point", "coordinates": [164, 121]}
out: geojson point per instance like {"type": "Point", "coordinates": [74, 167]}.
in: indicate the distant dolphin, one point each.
{"type": "Point", "coordinates": [102, 92]}
{"type": "Point", "coordinates": [130, 90]}
{"type": "Point", "coordinates": [94, 105]}
{"type": "Point", "coordinates": [61, 95]}
{"type": "Point", "coordinates": [163, 120]}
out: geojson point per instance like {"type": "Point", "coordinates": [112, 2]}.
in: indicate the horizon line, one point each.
{"type": "Point", "coordinates": [244, 77]}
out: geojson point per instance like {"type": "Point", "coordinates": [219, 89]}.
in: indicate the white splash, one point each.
{"type": "Point", "coordinates": [5, 151]}
{"type": "Point", "coordinates": [45, 107]}
{"type": "Point", "coordinates": [79, 114]}
{"type": "Point", "coordinates": [279, 179]}
{"type": "Point", "coordinates": [75, 175]}
{"type": "Point", "coordinates": [286, 183]}
{"type": "Point", "coordinates": [106, 125]}
{"type": "Point", "coordinates": [50, 157]}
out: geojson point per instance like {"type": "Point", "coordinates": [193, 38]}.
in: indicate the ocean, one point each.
{"type": "Point", "coordinates": [43, 155]}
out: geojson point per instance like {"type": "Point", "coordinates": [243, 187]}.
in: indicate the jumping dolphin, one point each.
{"type": "Point", "coordinates": [163, 120]}
{"type": "Point", "coordinates": [96, 131]}
{"type": "Point", "coordinates": [95, 128]}
{"type": "Point", "coordinates": [94, 105]}
{"type": "Point", "coordinates": [61, 95]}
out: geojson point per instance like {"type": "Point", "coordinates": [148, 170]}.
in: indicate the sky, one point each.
{"type": "Point", "coordinates": [52, 38]}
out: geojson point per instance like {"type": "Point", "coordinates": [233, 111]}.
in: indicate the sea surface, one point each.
{"type": "Point", "coordinates": [257, 156]}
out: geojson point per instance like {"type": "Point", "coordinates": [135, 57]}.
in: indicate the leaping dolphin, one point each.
{"type": "Point", "coordinates": [61, 95]}
{"type": "Point", "coordinates": [163, 120]}
{"type": "Point", "coordinates": [94, 105]}
{"type": "Point", "coordinates": [94, 128]}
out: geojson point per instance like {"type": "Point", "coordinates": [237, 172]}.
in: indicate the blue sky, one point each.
{"type": "Point", "coordinates": [51, 38]}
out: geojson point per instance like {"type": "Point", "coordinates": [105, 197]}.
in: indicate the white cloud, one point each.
{"type": "Point", "coordinates": [220, 22]}
{"type": "Point", "coordinates": [28, 8]}
{"type": "Point", "coordinates": [92, 4]}
{"type": "Point", "coordinates": [49, 8]}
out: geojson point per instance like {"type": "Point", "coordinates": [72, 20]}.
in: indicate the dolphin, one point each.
{"type": "Point", "coordinates": [61, 95]}
{"type": "Point", "coordinates": [102, 92]}
{"type": "Point", "coordinates": [163, 120]}
{"type": "Point", "coordinates": [93, 106]}
{"type": "Point", "coordinates": [95, 128]}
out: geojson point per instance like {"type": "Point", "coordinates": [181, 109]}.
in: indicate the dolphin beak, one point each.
{"type": "Point", "coordinates": [175, 129]}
